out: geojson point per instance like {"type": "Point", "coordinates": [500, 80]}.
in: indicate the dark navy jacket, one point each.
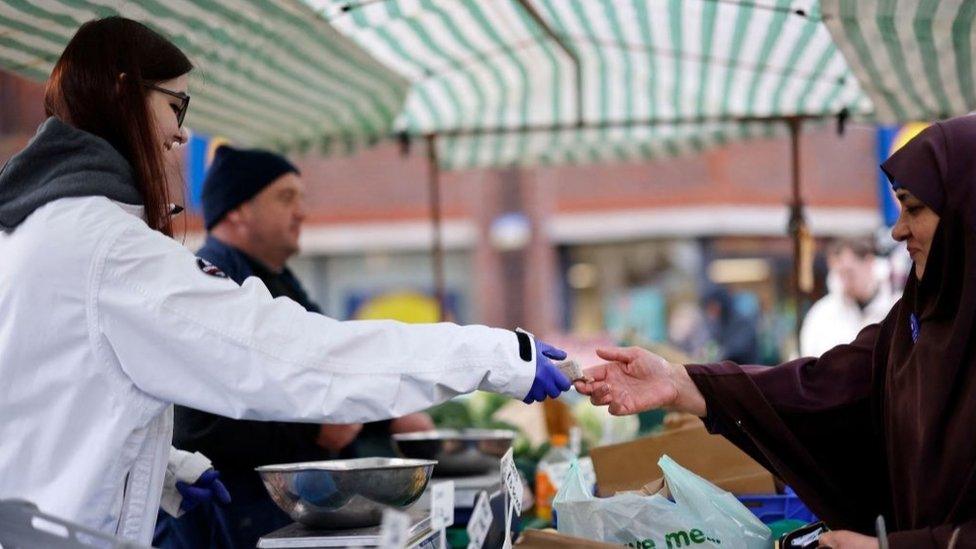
{"type": "Point", "coordinates": [236, 446]}
{"type": "Point", "coordinates": [241, 445]}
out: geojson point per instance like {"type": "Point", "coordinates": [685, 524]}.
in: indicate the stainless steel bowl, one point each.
{"type": "Point", "coordinates": [347, 493]}
{"type": "Point", "coordinates": [457, 452]}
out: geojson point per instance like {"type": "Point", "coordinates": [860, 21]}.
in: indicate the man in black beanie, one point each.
{"type": "Point", "coordinates": [253, 211]}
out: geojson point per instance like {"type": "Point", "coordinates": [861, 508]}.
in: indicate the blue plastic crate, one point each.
{"type": "Point", "coordinates": [771, 508]}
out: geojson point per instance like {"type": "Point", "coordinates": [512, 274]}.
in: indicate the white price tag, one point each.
{"type": "Point", "coordinates": [442, 505]}
{"type": "Point", "coordinates": [513, 482]}
{"type": "Point", "coordinates": [394, 530]}
{"type": "Point", "coordinates": [480, 522]}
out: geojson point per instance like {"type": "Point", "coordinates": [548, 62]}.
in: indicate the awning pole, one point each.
{"type": "Point", "coordinates": [798, 231]}
{"type": "Point", "coordinates": [437, 244]}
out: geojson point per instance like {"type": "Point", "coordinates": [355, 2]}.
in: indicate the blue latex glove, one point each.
{"type": "Point", "coordinates": [549, 381]}
{"type": "Point", "coordinates": [207, 488]}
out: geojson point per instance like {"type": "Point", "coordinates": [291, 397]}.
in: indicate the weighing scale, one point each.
{"type": "Point", "coordinates": [466, 490]}
{"type": "Point", "coordinates": [299, 535]}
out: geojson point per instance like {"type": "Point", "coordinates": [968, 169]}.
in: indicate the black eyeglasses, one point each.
{"type": "Point", "coordinates": [184, 101]}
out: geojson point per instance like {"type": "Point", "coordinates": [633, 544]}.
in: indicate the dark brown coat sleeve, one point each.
{"type": "Point", "coordinates": [811, 422]}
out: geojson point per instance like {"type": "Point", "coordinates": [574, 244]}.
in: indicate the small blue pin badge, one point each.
{"type": "Point", "coordinates": [914, 326]}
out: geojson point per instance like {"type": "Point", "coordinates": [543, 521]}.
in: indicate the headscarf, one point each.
{"type": "Point", "coordinates": [927, 388]}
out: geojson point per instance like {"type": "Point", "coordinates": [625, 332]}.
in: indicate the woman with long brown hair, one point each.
{"type": "Point", "coordinates": [106, 321]}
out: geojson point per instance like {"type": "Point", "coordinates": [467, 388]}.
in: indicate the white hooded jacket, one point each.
{"type": "Point", "coordinates": [105, 323]}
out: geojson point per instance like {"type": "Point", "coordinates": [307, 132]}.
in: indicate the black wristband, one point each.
{"type": "Point", "coordinates": [525, 346]}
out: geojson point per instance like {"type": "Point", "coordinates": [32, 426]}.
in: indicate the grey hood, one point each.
{"type": "Point", "coordinates": [62, 161]}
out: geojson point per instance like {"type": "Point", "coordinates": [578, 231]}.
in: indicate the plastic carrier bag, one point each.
{"type": "Point", "coordinates": [701, 515]}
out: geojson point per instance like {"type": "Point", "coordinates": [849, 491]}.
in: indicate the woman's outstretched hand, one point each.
{"type": "Point", "coordinates": [549, 381]}
{"type": "Point", "coordinates": [635, 380]}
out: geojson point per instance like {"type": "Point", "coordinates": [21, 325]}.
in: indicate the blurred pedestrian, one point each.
{"type": "Point", "coordinates": [858, 294]}
{"type": "Point", "coordinates": [733, 334]}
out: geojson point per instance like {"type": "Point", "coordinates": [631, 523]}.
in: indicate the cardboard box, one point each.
{"type": "Point", "coordinates": [545, 539]}
{"type": "Point", "coordinates": [632, 465]}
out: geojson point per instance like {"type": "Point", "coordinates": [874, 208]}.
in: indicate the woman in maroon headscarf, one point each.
{"type": "Point", "coordinates": [885, 425]}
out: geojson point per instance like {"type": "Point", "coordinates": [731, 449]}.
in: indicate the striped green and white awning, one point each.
{"type": "Point", "coordinates": [914, 58]}
{"type": "Point", "coordinates": [269, 73]}
{"type": "Point", "coordinates": [658, 76]}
